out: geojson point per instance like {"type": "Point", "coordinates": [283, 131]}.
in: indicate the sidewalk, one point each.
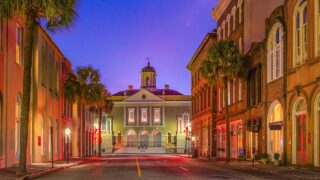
{"type": "Point", "coordinates": [39, 169]}
{"type": "Point", "coordinates": [247, 166]}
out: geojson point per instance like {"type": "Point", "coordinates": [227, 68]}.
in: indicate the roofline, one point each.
{"type": "Point", "coordinates": [219, 9]}
{"type": "Point", "coordinates": [51, 40]}
{"type": "Point", "coordinates": [201, 46]}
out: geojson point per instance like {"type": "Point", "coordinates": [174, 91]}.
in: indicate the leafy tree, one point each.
{"type": "Point", "coordinates": [224, 62]}
{"type": "Point", "coordinates": [105, 105]}
{"type": "Point", "coordinates": [85, 88]}
{"type": "Point", "coordinates": [54, 14]}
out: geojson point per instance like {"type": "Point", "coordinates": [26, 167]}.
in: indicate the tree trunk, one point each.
{"type": "Point", "coordinates": [225, 89]}
{"type": "Point", "coordinates": [83, 130]}
{"type": "Point", "coordinates": [99, 131]}
{"type": "Point", "coordinates": [27, 51]}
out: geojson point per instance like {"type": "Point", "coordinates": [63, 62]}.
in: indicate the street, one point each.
{"type": "Point", "coordinates": [174, 167]}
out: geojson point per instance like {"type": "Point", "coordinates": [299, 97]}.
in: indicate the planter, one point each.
{"type": "Point", "coordinates": [277, 162]}
{"type": "Point", "coordinates": [264, 160]}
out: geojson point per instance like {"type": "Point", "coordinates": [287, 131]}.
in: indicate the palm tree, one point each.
{"type": "Point", "coordinates": [85, 88]}
{"type": "Point", "coordinates": [105, 105]}
{"type": "Point", "coordinates": [224, 61]}
{"type": "Point", "coordinates": [55, 14]}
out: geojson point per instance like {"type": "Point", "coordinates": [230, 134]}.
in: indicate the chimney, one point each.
{"type": "Point", "coordinates": [130, 88]}
{"type": "Point", "coordinates": [166, 87]}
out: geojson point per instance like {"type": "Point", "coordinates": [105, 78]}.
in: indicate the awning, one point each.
{"type": "Point", "coordinates": [276, 125]}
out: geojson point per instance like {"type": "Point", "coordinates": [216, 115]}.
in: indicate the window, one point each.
{"type": "Point", "coordinates": [131, 115]}
{"type": "Point", "coordinates": [233, 91]}
{"type": "Point", "coordinates": [144, 115]}
{"type": "Point", "coordinates": [219, 33]}
{"type": "Point", "coordinates": [18, 123]}
{"type": "Point", "coordinates": [42, 135]}
{"type": "Point", "coordinates": [300, 33]}
{"type": "Point", "coordinates": [229, 94]}
{"type": "Point", "coordinates": [233, 14]}
{"type": "Point", "coordinates": [224, 30]}
{"type": "Point", "coordinates": [19, 45]}
{"type": "Point", "coordinates": [240, 11]}
{"type": "Point", "coordinates": [228, 25]}
{"type": "Point", "coordinates": [219, 100]}
{"type": "Point", "coordinates": [254, 87]}
{"type": "Point", "coordinates": [104, 123]}
{"type": "Point", "coordinates": [317, 27]}
{"type": "Point", "coordinates": [240, 44]}
{"type": "Point", "coordinates": [275, 53]}
{"type": "Point", "coordinates": [156, 117]}
{"type": "Point", "coordinates": [43, 64]}
{"type": "Point", "coordinates": [240, 89]}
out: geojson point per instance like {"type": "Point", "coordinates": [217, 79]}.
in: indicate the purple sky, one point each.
{"type": "Point", "coordinates": [116, 36]}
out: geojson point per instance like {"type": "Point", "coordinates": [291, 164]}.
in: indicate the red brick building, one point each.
{"type": "Point", "coordinates": [203, 98]}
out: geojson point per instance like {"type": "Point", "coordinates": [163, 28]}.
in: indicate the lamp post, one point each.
{"type": "Point", "coordinates": [192, 145]}
{"type": "Point", "coordinates": [67, 133]}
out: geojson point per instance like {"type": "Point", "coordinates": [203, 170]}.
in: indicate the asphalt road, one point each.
{"type": "Point", "coordinates": [172, 167]}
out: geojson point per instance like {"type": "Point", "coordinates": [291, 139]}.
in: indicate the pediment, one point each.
{"type": "Point", "coordinates": [143, 96]}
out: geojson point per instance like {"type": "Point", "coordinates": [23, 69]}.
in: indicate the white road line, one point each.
{"type": "Point", "coordinates": [184, 168]}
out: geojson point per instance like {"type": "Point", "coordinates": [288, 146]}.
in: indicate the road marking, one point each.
{"type": "Point", "coordinates": [184, 168]}
{"type": "Point", "coordinates": [138, 167]}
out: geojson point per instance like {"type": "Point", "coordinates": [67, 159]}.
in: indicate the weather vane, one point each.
{"type": "Point", "coordinates": [148, 59]}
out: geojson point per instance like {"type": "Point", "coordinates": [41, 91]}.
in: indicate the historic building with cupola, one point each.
{"type": "Point", "coordinates": [147, 119]}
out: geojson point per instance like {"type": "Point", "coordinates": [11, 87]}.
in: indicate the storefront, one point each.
{"type": "Point", "coordinates": [254, 126]}
{"type": "Point", "coordinates": [275, 129]}
{"type": "Point", "coordinates": [299, 132]}
{"type": "Point", "coordinates": [236, 138]}
{"type": "Point", "coordinates": [221, 141]}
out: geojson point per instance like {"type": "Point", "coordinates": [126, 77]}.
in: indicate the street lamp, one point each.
{"type": "Point", "coordinates": [67, 132]}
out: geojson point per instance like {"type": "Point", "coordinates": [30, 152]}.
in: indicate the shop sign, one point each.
{"type": "Point", "coordinates": [254, 124]}
{"type": "Point", "coordinates": [276, 125]}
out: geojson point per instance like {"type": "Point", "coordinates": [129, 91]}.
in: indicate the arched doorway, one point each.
{"type": "Point", "coordinates": [316, 129]}
{"type": "Point", "coordinates": [275, 129]}
{"type": "Point", "coordinates": [299, 132]}
{"type": "Point", "coordinates": [131, 138]}
{"type": "Point", "coordinates": [157, 139]}
{"type": "Point", "coordinates": [144, 138]}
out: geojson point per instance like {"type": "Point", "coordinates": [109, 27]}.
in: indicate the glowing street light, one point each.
{"type": "Point", "coordinates": [67, 132]}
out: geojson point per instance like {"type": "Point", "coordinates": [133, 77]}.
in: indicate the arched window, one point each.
{"type": "Point", "coordinates": [148, 81]}
{"type": "Point", "coordinates": [317, 27]}
{"type": "Point", "coordinates": [233, 15]}
{"type": "Point", "coordinates": [299, 134]}
{"type": "Point", "coordinates": [228, 25]}
{"type": "Point", "coordinates": [18, 123]}
{"type": "Point", "coordinates": [240, 10]}
{"type": "Point", "coordinates": [223, 30]}
{"type": "Point", "coordinates": [275, 129]}
{"type": "Point", "coordinates": [300, 33]}
{"type": "Point", "coordinates": [275, 53]}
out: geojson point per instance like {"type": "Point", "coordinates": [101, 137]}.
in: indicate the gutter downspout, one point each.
{"type": "Point", "coordinates": [6, 96]}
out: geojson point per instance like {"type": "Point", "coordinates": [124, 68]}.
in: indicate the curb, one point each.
{"type": "Point", "coordinates": [49, 171]}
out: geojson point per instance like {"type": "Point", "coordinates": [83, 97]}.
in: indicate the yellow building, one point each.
{"type": "Point", "coordinates": [148, 119]}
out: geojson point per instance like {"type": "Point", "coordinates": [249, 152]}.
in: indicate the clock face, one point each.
{"type": "Point", "coordinates": [143, 96]}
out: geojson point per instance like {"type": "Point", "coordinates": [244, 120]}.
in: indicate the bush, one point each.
{"type": "Point", "coordinates": [265, 155]}
{"type": "Point", "coordinates": [276, 156]}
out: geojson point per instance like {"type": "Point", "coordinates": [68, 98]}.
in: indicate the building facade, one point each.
{"type": "Point", "coordinates": [204, 94]}
{"type": "Point", "coordinates": [48, 110]}
{"type": "Point", "coordinates": [276, 108]}
{"type": "Point", "coordinates": [148, 118]}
